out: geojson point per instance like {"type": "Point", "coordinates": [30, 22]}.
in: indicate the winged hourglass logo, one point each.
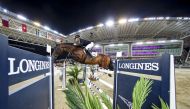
{"type": "Point", "coordinates": [127, 102]}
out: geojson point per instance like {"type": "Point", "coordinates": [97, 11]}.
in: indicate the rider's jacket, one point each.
{"type": "Point", "coordinates": [81, 42]}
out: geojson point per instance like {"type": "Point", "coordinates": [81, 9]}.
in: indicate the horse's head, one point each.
{"type": "Point", "coordinates": [61, 49]}
{"type": "Point", "coordinates": [57, 51]}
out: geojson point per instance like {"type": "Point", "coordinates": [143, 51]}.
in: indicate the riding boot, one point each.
{"type": "Point", "coordinates": [88, 53]}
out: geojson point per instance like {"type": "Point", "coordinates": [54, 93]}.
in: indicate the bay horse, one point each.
{"type": "Point", "coordinates": [78, 54]}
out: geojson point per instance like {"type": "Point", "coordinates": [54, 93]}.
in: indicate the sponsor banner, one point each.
{"type": "Point", "coordinates": [24, 65]}
{"type": "Point", "coordinates": [129, 71]}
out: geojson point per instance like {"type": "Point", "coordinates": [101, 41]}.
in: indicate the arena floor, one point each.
{"type": "Point", "coordinates": [182, 89]}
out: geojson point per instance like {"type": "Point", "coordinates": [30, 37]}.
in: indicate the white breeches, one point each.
{"type": "Point", "coordinates": [89, 46]}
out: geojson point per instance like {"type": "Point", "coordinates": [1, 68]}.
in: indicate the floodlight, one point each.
{"type": "Point", "coordinates": [120, 44]}
{"type": "Point", "coordinates": [160, 18]}
{"type": "Point", "coordinates": [21, 17]}
{"type": "Point", "coordinates": [109, 23]}
{"type": "Point", "coordinates": [149, 42]}
{"type": "Point", "coordinates": [4, 10]}
{"type": "Point", "coordinates": [37, 23]}
{"type": "Point", "coordinates": [111, 45]}
{"type": "Point", "coordinates": [100, 25]}
{"type": "Point", "coordinates": [167, 18]}
{"type": "Point", "coordinates": [133, 20]}
{"type": "Point", "coordinates": [46, 28]}
{"type": "Point", "coordinates": [88, 28]}
{"type": "Point", "coordinates": [185, 18]}
{"type": "Point", "coordinates": [55, 32]}
{"type": "Point", "coordinates": [173, 40]}
{"type": "Point", "coordinates": [161, 41]}
{"type": "Point", "coordinates": [122, 21]}
{"type": "Point", "coordinates": [139, 43]}
{"type": "Point", "coordinates": [81, 30]}
{"type": "Point", "coordinates": [179, 17]}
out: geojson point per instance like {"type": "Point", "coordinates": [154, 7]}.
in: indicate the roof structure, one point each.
{"type": "Point", "coordinates": [135, 29]}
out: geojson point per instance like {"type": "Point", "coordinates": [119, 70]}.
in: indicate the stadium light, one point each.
{"type": "Point", "coordinates": [179, 17]}
{"type": "Point", "coordinates": [161, 41]}
{"type": "Point", "coordinates": [100, 25]}
{"type": "Point", "coordinates": [81, 30]}
{"type": "Point", "coordinates": [88, 28]}
{"type": "Point", "coordinates": [21, 17]}
{"type": "Point", "coordinates": [55, 32]}
{"type": "Point", "coordinates": [173, 40]}
{"type": "Point", "coordinates": [149, 42]}
{"type": "Point", "coordinates": [160, 18]}
{"type": "Point", "coordinates": [167, 18]}
{"type": "Point", "coordinates": [150, 18]}
{"type": "Point", "coordinates": [111, 45]}
{"type": "Point", "coordinates": [139, 43]}
{"type": "Point", "coordinates": [110, 23]}
{"type": "Point", "coordinates": [120, 44]}
{"type": "Point", "coordinates": [46, 28]}
{"type": "Point", "coordinates": [122, 21]}
{"type": "Point", "coordinates": [37, 23]}
{"type": "Point", "coordinates": [133, 20]}
{"type": "Point", "coordinates": [185, 18]}
{"type": "Point", "coordinates": [4, 10]}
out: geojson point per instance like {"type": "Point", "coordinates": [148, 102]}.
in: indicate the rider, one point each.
{"type": "Point", "coordinates": [84, 43]}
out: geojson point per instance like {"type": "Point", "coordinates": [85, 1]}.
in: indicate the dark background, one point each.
{"type": "Point", "coordinates": [67, 16]}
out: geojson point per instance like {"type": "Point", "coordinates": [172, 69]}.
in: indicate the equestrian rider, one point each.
{"type": "Point", "coordinates": [88, 45]}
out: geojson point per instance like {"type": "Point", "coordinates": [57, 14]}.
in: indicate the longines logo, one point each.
{"type": "Point", "coordinates": [30, 65]}
{"type": "Point", "coordinates": [140, 66]}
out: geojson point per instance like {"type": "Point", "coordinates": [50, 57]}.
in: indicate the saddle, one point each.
{"type": "Point", "coordinates": [87, 52]}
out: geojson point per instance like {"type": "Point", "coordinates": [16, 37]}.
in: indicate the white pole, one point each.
{"type": "Point", "coordinates": [64, 76]}
{"type": "Point", "coordinates": [172, 84]}
{"type": "Point", "coordinates": [51, 87]}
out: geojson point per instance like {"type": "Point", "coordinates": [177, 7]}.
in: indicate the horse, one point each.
{"type": "Point", "coordinates": [77, 53]}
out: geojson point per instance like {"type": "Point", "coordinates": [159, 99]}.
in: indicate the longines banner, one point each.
{"type": "Point", "coordinates": [160, 70]}
{"type": "Point", "coordinates": [24, 78]}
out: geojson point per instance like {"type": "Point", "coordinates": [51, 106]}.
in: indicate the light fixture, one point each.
{"type": "Point", "coordinates": [173, 40]}
{"type": "Point", "coordinates": [133, 20]}
{"type": "Point", "coordinates": [139, 43]}
{"type": "Point", "coordinates": [110, 23]}
{"type": "Point", "coordinates": [111, 45]}
{"type": "Point", "coordinates": [122, 21]}
{"type": "Point", "coordinates": [179, 17]}
{"type": "Point", "coordinates": [150, 18]}
{"type": "Point", "coordinates": [161, 41]}
{"type": "Point", "coordinates": [81, 30]}
{"type": "Point", "coordinates": [149, 42]}
{"type": "Point", "coordinates": [160, 18]}
{"type": "Point", "coordinates": [21, 17]}
{"type": "Point", "coordinates": [46, 28]}
{"type": "Point", "coordinates": [185, 18]}
{"type": "Point", "coordinates": [4, 10]}
{"type": "Point", "coordinates": [88, 28]}
{"type": "Point", "coordinates": [100, 25]}
{"type": "Point", "coordinates": [37, 23]}
{"type": "Point", "coordinates": [55, 32]}
{"type": "Point", "coordinates": [167, 18]}
{"type": "Point", "coordinates": [120, 44]}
